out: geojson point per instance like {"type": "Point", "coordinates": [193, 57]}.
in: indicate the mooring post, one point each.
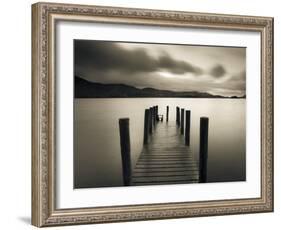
{"type": "Point", "coordinates": [178, 116]}
{"type": "Point", "coordinates": [156, 107]}
{"type": "Point", "coordinates": [187, 127]}
{"type": "Point", "coordinates": [167, 113]}
{"type": "Point", "coordinates": [182, 121]}
{"type": "Point", "coordinates": [150, 120]}
{"type": "Point", "coordinates": [154, 116]}
{"type": "Point", "coordinates": [203, 158]}
{"type": "Point", "coordinates": [124, 130]}
{"type": "Point", "coordinates": [146, 127]}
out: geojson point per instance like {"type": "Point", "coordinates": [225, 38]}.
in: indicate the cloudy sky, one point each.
{"type": "Point", "coordinates": [216, 70]}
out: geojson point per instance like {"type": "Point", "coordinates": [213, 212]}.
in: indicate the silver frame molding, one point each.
{"type": "Point", "coordinates": [44, 17]}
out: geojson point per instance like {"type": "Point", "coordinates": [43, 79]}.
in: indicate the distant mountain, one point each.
{"type": "Point", "coordinates": [87, 89]}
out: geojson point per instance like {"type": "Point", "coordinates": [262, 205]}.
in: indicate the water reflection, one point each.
{"type": "Point", "coordinates": [96, 136]}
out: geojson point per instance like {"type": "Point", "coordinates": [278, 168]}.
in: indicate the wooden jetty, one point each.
{"type": "Point", "coordinates": [166, 157]}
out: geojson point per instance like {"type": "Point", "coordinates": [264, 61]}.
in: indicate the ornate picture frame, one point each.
{"type": "Point", "coordinates": [44, 19]}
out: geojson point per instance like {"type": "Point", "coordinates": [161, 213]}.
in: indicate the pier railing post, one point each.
{"type": "Point", "coordinates": [178, 116]}
{"type": "Point", "coordinates": [203, 152]}
{"type": "Point", "coordinates": [146, 126]}
{"type": "Point", "coordinates": [151, 120]}
{"type": "Point", "coordinates": [124, 130]}
{"type": "Point", "coordinates": [182, 121]}
{"type": "Point", "coordinates": [167, 113]}
{"type": "Point", "coordinates": [154, 116]}
{"type": "Point", "coordinates": [156, 108]}
{"type": "Point", "coordinates": [187, 127]}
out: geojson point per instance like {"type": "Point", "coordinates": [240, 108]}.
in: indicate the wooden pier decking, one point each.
{"type": "Point", "coordinates": [166, 159]}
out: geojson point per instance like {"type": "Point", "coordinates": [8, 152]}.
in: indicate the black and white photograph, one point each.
{"type": "Point", "coordinates": [145, 114]}
{"type": "Point", "coordinates": [151, 114]}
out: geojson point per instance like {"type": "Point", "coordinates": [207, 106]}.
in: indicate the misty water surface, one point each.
{"type": "Point", "coordinates": [97, 157]}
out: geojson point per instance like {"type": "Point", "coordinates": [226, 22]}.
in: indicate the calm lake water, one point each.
{"type": "Point", "coordinates": [97, 153]}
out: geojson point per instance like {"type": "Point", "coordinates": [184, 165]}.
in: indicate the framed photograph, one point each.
{"type": "Point", "coordinates": [144, 114]}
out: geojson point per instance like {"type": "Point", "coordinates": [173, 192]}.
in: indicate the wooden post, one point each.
{"type": "Point", "coordinates": [124, 130]}
{"type": "Point", "coordinates": [153, 108]}
{"type": "Point", "coordinates": [150, 120]}
{"type": "Point", "coordinates": [146, 127]}
{"type": "Point", "coordinates": [187, 127]}
{"type": "Point", "coordinates": [154, 116]}
{"type": "Point", "coordinates": [182, 121]}
{"type": "Point", "coordinates": [178, 116]}
{"type": "Point", "coordinates": [156, 108]}
{"type": "Point", "coordinates": [167, 113]}
{"type": "Point", "coordinates": [203, 158]}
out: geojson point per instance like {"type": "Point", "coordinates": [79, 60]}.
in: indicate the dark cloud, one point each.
{"type": "Point", "coordinates": [218, 71]}
{"type": "Point", "coordinates": [109, 56]}
{"type": "Point", "coordinates": [106, 56]}
{"type": "Point", "coordinates": [177, 67]}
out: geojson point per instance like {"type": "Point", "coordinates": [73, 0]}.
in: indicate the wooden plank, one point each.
{"type": "Point", "coordinates": [159, 157]}
{"type": "Point", "coordinates": [167, 162]}
{"type": "Point", "coordinates": [163, 179]}
{"type": "Point", "coordinates": [165, 159]}
{"type": "Point", "coordinates": [165, 150]}
{"type": "Point", "coordinates": [162, 153]}
{"type": "Point", "coordinates": [153, 159]}
{"type": "Point", "coordinates": [174, 154]}
{"type": "Point", "coordinates": [159, 154]}
{"type": "Point", "coordinates": [138, 170]}
{"type": "Point", "coordinates": [166, 155]}
{"type": "Point", "coordinates": [167, 147]}
{"type": "Point", "coordinates": [165, 182]}
{"type": "Point", "coordinates": [164, 174]}
{"type": "Point", "coordinates": [170, 161]}
{"type": "Point", "coordinates": [164, 166]}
